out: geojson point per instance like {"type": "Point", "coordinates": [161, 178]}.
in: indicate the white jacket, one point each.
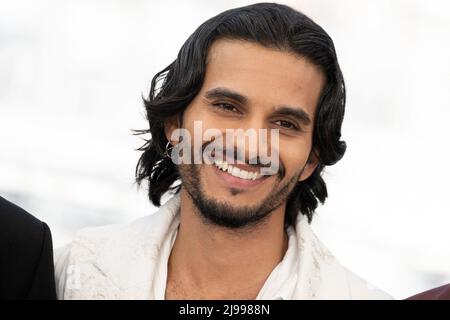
{"type": "Point", "coordinates": [130, 262]}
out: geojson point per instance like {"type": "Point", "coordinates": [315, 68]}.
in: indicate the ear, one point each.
{"type": "Point", "coordinates": [311, 165]}
{"type": "Point", "coordinates": [170, 125]}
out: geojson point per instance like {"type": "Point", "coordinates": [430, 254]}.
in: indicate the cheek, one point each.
{"type": "Point", "coordinates": [197, 114]}
{"type": "Point", "coordinates": [294, 157]}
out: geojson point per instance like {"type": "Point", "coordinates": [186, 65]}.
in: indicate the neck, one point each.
{"type": "Point", "coordinates": [217, 262]}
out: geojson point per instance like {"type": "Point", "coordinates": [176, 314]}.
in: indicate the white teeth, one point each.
{"type": "Point", "coordinates": [234, 171]}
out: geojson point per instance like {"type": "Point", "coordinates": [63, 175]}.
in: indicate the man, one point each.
{"type": "Point", "coordinates": [233, 229]}
{"type": "Point", "coordinates": [26, 255]}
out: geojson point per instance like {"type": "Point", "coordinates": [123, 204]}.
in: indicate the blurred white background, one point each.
{"type": "Point", "coordinates": [71, 78]}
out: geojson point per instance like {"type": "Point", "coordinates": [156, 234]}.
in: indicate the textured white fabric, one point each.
{"type": "Point", "coordinates": [130, 262]}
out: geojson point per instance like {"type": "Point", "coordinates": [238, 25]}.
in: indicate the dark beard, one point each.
{"type": "Point", "coordinates": [223, 214]}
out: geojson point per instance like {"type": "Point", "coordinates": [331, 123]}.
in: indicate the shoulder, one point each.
{"type": "Point", "coordinates": [360, 289]}
{"type": "Point", "coordinates": [76, 262]}
{"type": "Point", "coordinates": [93, 240]}
{"type": "Point", "coordinates": [26, 265]}
{"type": "Point", "coordinates": [96, 264]}
{"type": "Point", "coordinates": [18, 225]}
{"type": "Point", "coordinates": [89, 242]}
{"type": "Point", "coordinates": [336, 281]}
{"type": "Point", "coordinates": [77, 259]}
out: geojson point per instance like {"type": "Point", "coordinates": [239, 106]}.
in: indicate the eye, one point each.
{"type": "Point", "coordinates": [286, 124]}
{"type": "Point", "coordinates": [226, 107]}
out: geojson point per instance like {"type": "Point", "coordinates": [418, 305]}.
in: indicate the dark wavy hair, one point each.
{"type": "Point", "coordinates": [270, 25]}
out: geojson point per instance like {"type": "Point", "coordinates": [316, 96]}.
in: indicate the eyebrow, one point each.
{"type": "Point", "coordinates": [296, 112]}
{"type": "Point", "coordinates": [221, 92]}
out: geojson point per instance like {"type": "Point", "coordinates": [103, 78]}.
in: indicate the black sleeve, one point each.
{"type": "Point", "coordinates": [26, 255]}
{"type": "Point", "coordinates": [43, 281]}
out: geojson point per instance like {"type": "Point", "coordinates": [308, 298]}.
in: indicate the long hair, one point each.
{"type": "Point", "coordinates": [270, 25]}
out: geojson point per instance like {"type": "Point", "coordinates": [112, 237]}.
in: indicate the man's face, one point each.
{"type": "Point", "coordinates": [280, 91]}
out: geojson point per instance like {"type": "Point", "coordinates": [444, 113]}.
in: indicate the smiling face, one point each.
{"type": "Point", "coordinates": [248, 86]}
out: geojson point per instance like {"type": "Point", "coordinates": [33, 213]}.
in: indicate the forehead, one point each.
{"type": "Point", "coordinates": [266, 76]}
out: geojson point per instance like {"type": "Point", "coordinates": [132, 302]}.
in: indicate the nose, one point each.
{"type": "Point", "coordinates": [252, 139]}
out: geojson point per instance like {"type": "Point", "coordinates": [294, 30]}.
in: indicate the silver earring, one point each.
{"type": "Point", "coordinates": [166, 153]}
